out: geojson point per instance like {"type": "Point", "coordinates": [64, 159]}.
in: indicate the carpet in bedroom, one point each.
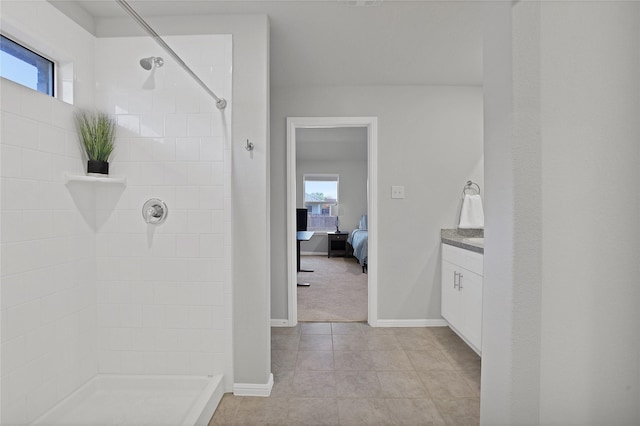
{"type": "Point", "coordinates": [337, 291]}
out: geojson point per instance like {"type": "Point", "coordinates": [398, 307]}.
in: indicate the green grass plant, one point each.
{"type": "Point", "coordinates": [97, 133]}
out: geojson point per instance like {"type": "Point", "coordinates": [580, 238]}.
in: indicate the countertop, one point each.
{"type": "Point", "coordinates": [456, 237]}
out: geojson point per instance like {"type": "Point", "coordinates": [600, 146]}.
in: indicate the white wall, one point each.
{"type": "Point", "coordinates": [352, 194]}
{"type": "Point", "coordinates": [48, 242]}
{"type": "Point", "coordinates": [560, 338]}
{"type": "Point", "coordinates": [164, 297]}
{"type": "Point", "coordinates": [430, 141]}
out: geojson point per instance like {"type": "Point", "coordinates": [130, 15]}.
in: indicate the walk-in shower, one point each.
{"type": "Point", "coordinates": [106, 318]}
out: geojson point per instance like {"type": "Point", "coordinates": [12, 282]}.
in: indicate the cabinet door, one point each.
{"type": "Point", "coordinates": [450, 306]}
{"type": "Point", "coordinates": [471, 307]}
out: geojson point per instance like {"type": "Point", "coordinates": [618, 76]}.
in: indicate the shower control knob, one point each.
{"type": "Point", "coordinates": [155, 211]}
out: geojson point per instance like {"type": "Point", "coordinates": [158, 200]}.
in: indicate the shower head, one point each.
{"type": "Point", "coordinates": [151, 62]}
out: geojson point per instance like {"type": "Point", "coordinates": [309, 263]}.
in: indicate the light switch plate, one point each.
{"type": "Point", "coordinates": [397, 191]}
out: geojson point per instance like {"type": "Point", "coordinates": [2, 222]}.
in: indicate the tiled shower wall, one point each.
{"type": "Point", "coordinates": [48, 257]}
{"type": "Point", "coordinates": [163, 292]}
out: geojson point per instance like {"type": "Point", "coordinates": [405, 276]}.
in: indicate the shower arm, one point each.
{"type": "Point", "coordinates": [221, 103]}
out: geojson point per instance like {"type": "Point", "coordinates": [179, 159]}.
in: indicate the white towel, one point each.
{"type": "Point", "coordinates": [471, 214]}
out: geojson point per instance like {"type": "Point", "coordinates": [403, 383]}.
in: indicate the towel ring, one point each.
{"type": "Point", "coordinates": [470, 186]}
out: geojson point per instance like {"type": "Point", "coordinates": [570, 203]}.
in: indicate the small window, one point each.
{"type": "Point", "coordinates": [25, 67]}
{"type": "Point", "coordinates": [320, 193]}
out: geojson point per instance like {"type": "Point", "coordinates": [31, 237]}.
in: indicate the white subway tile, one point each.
{"type": "Point", "coordinates": [187, 149]}
{"type": "Point", "coordinates": [108, 315]}
{"type": "Point", "coordinates": [10, 161]}
{"type": "Point", "coordinates": [187, 101]}
{"type": "Point", "coordinates": [211, 246]}
{"type": "Point", "coordinates": [144, 339]}
{"type": "Point", "coordinates": [200, 174]}
{"type": "Point", "coordinates": [190, 340]}
{"type": "Point", "coordinates": [52, 139]}
{"type": "Point", "coordinates": [41, 399]}
{"type": "Point", "coordinates": [164, 101]}
{"type": "Point", "coordinates": [141, 292]}
{"type": "Point", "coordinates": [176, 316]}
{"type": "Point", "coordinates": [163, 246]}
{"type": "Point", "coordinates": [213, 294]}
{"type": "Point", "coordinates": [140, 102]}
{"type": "Point", "coordinates": [199, 125]}
{"type": "Point", "coordinates": [187, 197]}
{"type": "Point", "coordinates": [36, 165]}
{"type": "Point", "coordinates": [211, 149]}
{"type": "Point", "coordinates": [131, 315]}
{"type": "Point", "coordinates": [177, 363]}
{"type": "Point", "coordinates": [175, 125]}
{"type": "Point", "coordinates": [39, 341]}
{"type": "Point", "coordinates": [199, 221]}
{"type": "Point", "coordinates": [37, 106]}
{"type": "Point", "coordinates": [120, 339]}
{"type": "Point", "coordinates": [152, 125]}
{"type": "Point", "coordinates": [19, 194]}
{"type": "Point", "coordinates": [152, 316]}
{"type": "Point", "coordinates": [187, 245]}
{"type": "Point", "coordinates": [128, 126]}
{"type": "Point", "coordinates": [14, 354]}
{"type": "Point", "coordinates": [175, 173]}
{"type": "Point", "coordinates": [211, 197]}
{"type": "Point", "coordinates": [109, 362]}
{"type": "Point", "coordinates": [167, 340]}
{"type": "Point", "coordinates": [201, 316]}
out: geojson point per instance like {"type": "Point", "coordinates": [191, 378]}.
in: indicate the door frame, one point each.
{"type": "Point", "coordinates": [371, 124]}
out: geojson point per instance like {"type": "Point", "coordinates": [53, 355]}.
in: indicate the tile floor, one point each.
{"type": "Point", "coordinates": [353, 374]}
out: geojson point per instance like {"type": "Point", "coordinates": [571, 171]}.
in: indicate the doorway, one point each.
{"type": "Point", "coordinates": [300, 123]}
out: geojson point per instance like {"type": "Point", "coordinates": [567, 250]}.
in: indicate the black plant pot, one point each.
{"type": "Point", "coordinates": [100, 167]}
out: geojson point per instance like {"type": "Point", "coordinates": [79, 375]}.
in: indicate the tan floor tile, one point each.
{"type": "Point", "coordinates": [313, 411]}
{"type": "Point", "coordinates": [383, 342]}
{"type": "Point", "coordinates": [282, 384]}
{"type": "Point", "coordinates": [261, 411]}
{"type": "Point", "coordinates": [401, 384]}
{"type": "Point", "coordinates": [353, 360]}
{"type": "Point", "coordinates": [226, 411]}
{"type": "Point", "coordinates": [461, 356]}
{"type": "Point", "coordinates": [391, 360]}
{"type": "Point", "coordinates": [417, 342]}
{"type": "Point", "coordinates": [472, 376]}
{"type": "Point", "coordinates": [285, 342]}
{"type": "Point", "coordinates": [378, 331]}
{"type": "Point", "coordinates": [429, 360]}
{"type": "Point", "coordinates": [283, 360]}
{"type": "Point", "coordinates": [363, 412]}
{"type": "Point", "coordinates": [344, 342]}
{"type": "Point", "coordinates": [315, 327]}
{"type": "Point", "coordinates": [347, 328]}
{"type": "Point", "coordinates": [314, 384]}
{"type": "Point", "coordinates": [315, 360]}
{"type": "Point", "coordinates": [285, 330]}
{"type": "Point", "coordinates": [357, 384]}
{"type": "Point", "coordinates": [315, 342]}
{"type": "Point", "coordinates": [442, 384]}
{"type": "Point", "coordinates": [422, 411]}
{"type": "Point", "coordinates": [459, 411]}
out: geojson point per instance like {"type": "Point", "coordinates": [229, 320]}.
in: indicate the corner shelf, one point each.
{"type": "Point", "coordinates": [107, 180]}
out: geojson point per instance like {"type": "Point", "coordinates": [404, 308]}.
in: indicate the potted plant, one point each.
{"type": "Point", "coordinates": [97, 134]}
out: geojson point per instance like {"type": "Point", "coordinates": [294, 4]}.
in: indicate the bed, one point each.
{"type": "Point", "coordinates": [359, 240]}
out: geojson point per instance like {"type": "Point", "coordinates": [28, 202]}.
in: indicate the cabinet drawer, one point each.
{"type": "Point", "coordinates": [337, 237]}
{"type": "Point", "coordinates": [466, 259]}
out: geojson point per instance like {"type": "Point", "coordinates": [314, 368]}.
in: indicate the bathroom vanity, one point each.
{"type": "Point", "coordinates": [462, 276]}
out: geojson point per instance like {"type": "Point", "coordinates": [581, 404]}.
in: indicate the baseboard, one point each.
{"type": "Point", "coordinates": [313, 253]}
{"type": "Point", "coordinates": [253, 389]}
{"type": "Point", "coordinates": [412, 323]}
{"type": "Point", "coordinates": [279, 322]}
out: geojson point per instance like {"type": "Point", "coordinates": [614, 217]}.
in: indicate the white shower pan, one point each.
{"type": "Point", "coordinates": [139, 400]}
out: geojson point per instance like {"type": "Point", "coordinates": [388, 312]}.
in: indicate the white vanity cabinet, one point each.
{"type": "Point", "coordinates": [462, 293]}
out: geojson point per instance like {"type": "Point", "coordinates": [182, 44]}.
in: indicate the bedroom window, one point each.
{"type": "Point", "coordinates": [320, 193]}
{"type": "Point", "coordinates": [25, 67]}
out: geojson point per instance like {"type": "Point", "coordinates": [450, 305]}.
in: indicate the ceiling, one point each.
{"type": "Point", "coordinates": [332, 43]}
